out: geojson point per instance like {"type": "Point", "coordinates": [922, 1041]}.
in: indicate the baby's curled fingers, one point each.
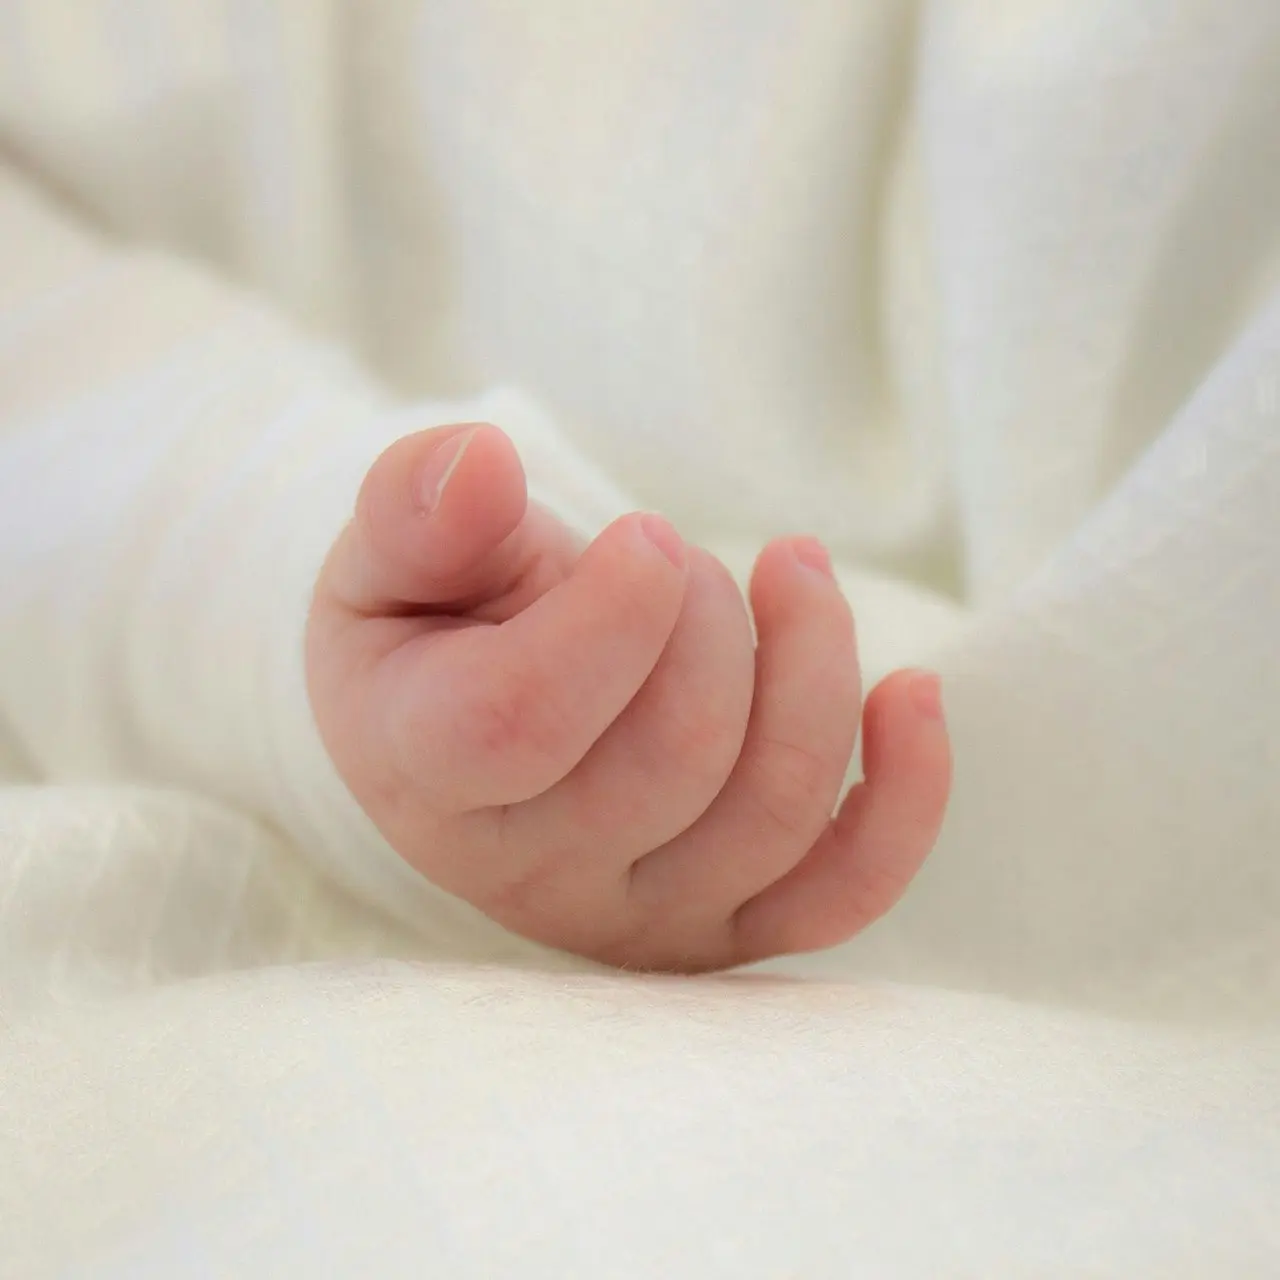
{"type": "Point", "coordinates": [661, 763]}
{"type": "Point", "coordinates": [866, 858]}
{"type": "Point", "coordinates": [800, 736]}
{"type": "Point", "coordinates": [485, 715]}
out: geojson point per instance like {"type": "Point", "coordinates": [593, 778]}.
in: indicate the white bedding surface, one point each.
{"type": "Point", "coordinates": [407, 1120]}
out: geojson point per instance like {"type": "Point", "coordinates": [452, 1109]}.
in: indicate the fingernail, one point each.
{"type": "Point", "coordinates": [440, 465]}
{"type": "Point", "coordinates": [926, 693]}
{"type": "Point", "coordinates": [663, 536]}
{"type": "Point", "coordinates": [813, 555]}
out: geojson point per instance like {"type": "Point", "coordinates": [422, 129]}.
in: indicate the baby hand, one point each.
{"type": "Point", "coordinates": [588, 744]}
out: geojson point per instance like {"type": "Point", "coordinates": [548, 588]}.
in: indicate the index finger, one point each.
{"type": "Point", "coordinates": [492, 715]}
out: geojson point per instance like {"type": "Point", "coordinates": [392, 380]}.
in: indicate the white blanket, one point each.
{"type": "Point", "coordinates": [986, 296]}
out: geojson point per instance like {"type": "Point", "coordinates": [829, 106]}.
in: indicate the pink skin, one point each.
{"type": "Point", "coordinates": [588, 745]}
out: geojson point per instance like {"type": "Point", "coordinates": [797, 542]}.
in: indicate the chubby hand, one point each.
{"type": "Point", "coordinates": [589, 744]}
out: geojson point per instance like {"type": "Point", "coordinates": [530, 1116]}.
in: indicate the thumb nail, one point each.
{"type": "Point", "coordinates": [438, 469]}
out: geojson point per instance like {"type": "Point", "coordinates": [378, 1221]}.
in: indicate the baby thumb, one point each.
{"type": "Point", "coordinates": [431, 512]}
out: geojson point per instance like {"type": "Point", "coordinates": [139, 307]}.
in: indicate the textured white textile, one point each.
{"type": "Point", "coordinates": [986, 294]}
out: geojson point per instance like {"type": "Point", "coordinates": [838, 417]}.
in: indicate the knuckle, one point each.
{"type": "Point", "coordinates": [793, 786]}
{"type": "Point", "coordinates": [878, 884]}
{"type": "Point", "coordinates": [878, 889]}
{"type": "Point", "coordinates": [513, 718]}
{"type": "Point", "coordinates": [497, 718]}
{"type": "Point", "coordinates": [521, 894]}
{"type": "Point", "coordinates": [520, 899]}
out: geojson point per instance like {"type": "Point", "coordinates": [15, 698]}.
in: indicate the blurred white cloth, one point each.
{"type": "Point", "coordinates": [986, 295]}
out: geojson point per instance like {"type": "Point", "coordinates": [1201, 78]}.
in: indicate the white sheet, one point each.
{"type": "Point", "coordinates": [398, 1120]}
